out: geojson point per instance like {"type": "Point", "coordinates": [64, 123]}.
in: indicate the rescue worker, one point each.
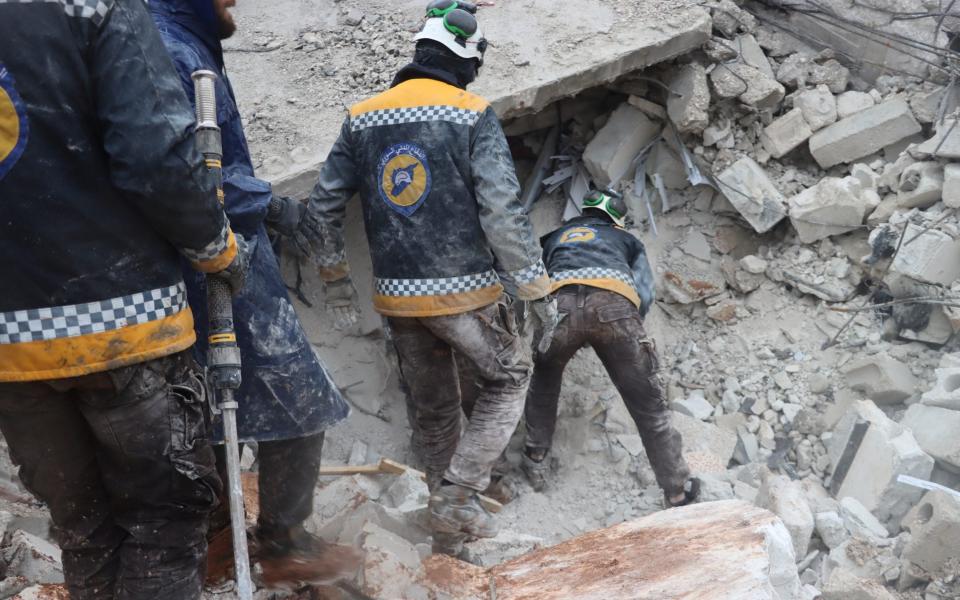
{"type": "Point", "coordinates": [100, 187]}
{"type": "Point", "coordinates": [448, 236]}
{"type": "Point", "coordinates": [604, 289]}
{"type": "Point", "coordinates": [286, 400]}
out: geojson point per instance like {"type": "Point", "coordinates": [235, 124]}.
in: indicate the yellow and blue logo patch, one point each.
{"type": "Point", "coordinates": [578, 235]}
{"type": "Point", "coordinates": [13, 123]}
{"type": "Point", "coordinates": [404, 176]}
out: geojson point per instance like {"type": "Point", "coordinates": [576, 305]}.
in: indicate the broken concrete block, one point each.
{"type": "Point", "coordinates": [844, 585]}
{"type": "Point", "coordinates": [864, 133]}
{"type": "Point", "coordinates": [752, 54]}
{"type": "Point", "coordinates": [704, 444]}
{"type": "Point", "coordinates": [785, 498]}
{"type": "Point", "coordinates": [933, 257]}
{"type": "Point", "coordinates": [818, 105]}
{"type": "Point", "coordinates": [868, 178]}
{"type": "Point", "coordinates": [390, 563]}
{"type": "Point", "coordinates": [937, 430]}
{"type": "Point", "coordinates": [886, 451]}
{"type": "Point", "coordinates": [830, 528]}
{"type": "Point", "coordinates": [651, 109]}
{"type": "Point", "coordinates": [746, 185]}
{"type": "Point", "coordinates": [945, 391]}
{"type": "Point", "coordinates": [694, 405]}
{"type": "Point", "coordinates": [337, 499]}
{"type": "Point", "coordinates": [934, 526]}
{"type": "Point", "coordinates": [408, 491]}
{"type": "Point", "coordinates": [610, 153]}
{"type": "Point", "coordinates": [951, 185]}
{"type": "Point", "coordinates": [32, 558]}
{"type": "Point", "coordinates": [850, 103]}
{"type": "Point", "coordinates": [859, 521]}
{"type": "Point", "coordinates": [688, 280]}
{"type": "Point", "coordinates": [831, 207]}
{"type": "Point", "coordinates": [689, 110]}
{"type": "Point", "coordinates": [748, 84]}
{"type": "Point", "coordinates": [831, 74]}
{"type": "Point", "coordinates": [884, 379]}
{"type": "Point", "coordinates": [921, 185]}
{"type": "Point", "coordinates": [945, 144]}
{"type": "Point", "coordinates": [506, 546]}
{"type": "Point", "coordinates": [43, 592]}
{"type": "Point", "coordinates": [786, 133]}
{"type": "Point", "coordinates": [691, 545]}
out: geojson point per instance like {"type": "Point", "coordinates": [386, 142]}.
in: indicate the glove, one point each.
{"type": "Point", "coordinates": [342, 303]}
{"type": "Point", "coordinates": [236, 272]}
{"type": "Point", "coordinates": [548, 317]}
{"type": "Point", "coordinates": [284, 215]}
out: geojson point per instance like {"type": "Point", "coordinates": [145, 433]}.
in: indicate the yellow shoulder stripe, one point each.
{"type": "Point", "coordinates": [421, 92]}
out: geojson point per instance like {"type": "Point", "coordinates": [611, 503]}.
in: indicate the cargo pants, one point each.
{"type": "Point", "coordinates": [613, 327]}
{"type": "Point", "coordinates": [122, 460]}
{"type": "Point", "coordinates": [488, 340]}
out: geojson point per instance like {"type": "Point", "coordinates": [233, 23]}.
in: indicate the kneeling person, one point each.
{"type": "Point", "coordinates": [604, 289]}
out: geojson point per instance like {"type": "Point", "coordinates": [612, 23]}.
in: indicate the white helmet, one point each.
{"type": "Point", "coordinates": [458, 30]}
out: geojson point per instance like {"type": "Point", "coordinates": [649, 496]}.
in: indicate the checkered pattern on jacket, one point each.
{"type": "Point", "coordinates": [95, 10]}
{"type": "Point", "coordinates": [593, 273]}
{"type": "Point", "coordinates": [211, 250]}
{"type": "Point", "coordinates": [436, 287]}
{"type": "Point", "coordinates": [417, 114]}
{"type": "Point", "coordinates": [74, 320]}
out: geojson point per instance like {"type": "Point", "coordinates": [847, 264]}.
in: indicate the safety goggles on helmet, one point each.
{"type": "Point", "coordinates": [454, 25]}
{"type": "Point", "coordinates": [610, 202]}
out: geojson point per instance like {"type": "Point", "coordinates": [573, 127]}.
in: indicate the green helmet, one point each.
{"type": "Point", "coordinates": [609, 201]}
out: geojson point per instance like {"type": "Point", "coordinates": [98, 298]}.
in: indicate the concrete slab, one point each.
{"type": "Point", "coordinates": [726, 550]}
{"type": "Point", "coordinates": [294, 93]}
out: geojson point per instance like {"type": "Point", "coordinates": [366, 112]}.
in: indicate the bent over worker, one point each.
{"type": "Point", "coordinates": [100, 187]}
{"type": "Point", "coordinates": [286, 399]}
{"type": "Point", "coordinates": [604, 289]}
{"type": "Point", "coordinates": [447, 236]}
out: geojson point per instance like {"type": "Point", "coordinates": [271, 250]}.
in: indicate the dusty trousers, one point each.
{"type": "Point", "coordinates": [122, 460]}
{"type": "Point", "coordinates": [487, 338]}
{"type": "Point", "coordinates": [287, 475]}
{"type": "Point", "coordinates": [613, 327]}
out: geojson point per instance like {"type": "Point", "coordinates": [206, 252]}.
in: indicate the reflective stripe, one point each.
{"type": "Point", "coordinates": [419, 114]}
{"type": "Point", "coordinates": [437, 287]}
{"type": "Point", "coordinates": [436, 306]}
{"type": "Point", "coordinates": [211, 250]}
{"type": "Point", "coordinates": [85, 354]}
{"type": "Point", "coordinates": [599, 277]}
{"type": "Point", "coordinates": [527, 274]}
{"type": "Point", "coordinates": [74, 320]}
{"type": "Point", "coordinates": [95, 10]}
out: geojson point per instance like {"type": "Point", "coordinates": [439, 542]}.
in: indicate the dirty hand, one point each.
{"type": "Point", "coordinates": [548, 316]}
{"type": "Point", "coordinates": [235, 274]}
{"type": "Point", "coordinates": [341, 303]}
{"type": "Point", "coordinates": [284, 215]}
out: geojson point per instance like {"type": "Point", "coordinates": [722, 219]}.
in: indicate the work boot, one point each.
{"type": "Point", "coordinates": [457, 509]}
{"type": "Point", "coordinates": [691, 491]}
{"type": "Point", "coordinates": [536, 471]}
{"type": "Point", "coordinates": [293, 558]}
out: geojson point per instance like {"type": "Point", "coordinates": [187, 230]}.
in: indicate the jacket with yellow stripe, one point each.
{"type": "Point", "coordinates": [446, 229]}
{"type": "Point", "coordinates": [591, 250]}
{"type": "Point", "coordinates": [101, 191]}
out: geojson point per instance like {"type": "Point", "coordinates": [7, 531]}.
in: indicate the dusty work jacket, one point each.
{"type": "Point", "coordinates": [446, 229]}
{"type": "Point", "coordinates": [285, 391]}
{"type": "Point", "coordinates": [592, 251]}
{"type": "Point", "coordinates": [100, 187]}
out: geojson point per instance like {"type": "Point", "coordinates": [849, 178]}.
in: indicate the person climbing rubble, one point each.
{"type": "Point", "coordinates": [605, 289]}
{"type": "Point", "coordinates": [102, 187]}
{"type": "Point", "coordinates": [287, 399]}
{"type": "Point", "coordinates": [448, 237]}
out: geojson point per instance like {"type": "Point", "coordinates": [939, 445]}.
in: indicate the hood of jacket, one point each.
{"type": "Point", "coordinates": [195, 16]}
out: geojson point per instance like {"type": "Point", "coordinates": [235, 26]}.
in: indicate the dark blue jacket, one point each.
{"type": "Point", "coordinates": [286, 392]}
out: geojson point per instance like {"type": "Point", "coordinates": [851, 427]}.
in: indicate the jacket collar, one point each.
{"type": "Point", "coordinates": [418, 71]}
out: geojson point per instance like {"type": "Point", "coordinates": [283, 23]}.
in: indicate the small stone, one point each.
{"type": "Point", "coordinates": [850, 103]}
{"type": "Point", "coordinates": [818, 105]}
{"type": "Point", "coordinates": [753, 264]}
